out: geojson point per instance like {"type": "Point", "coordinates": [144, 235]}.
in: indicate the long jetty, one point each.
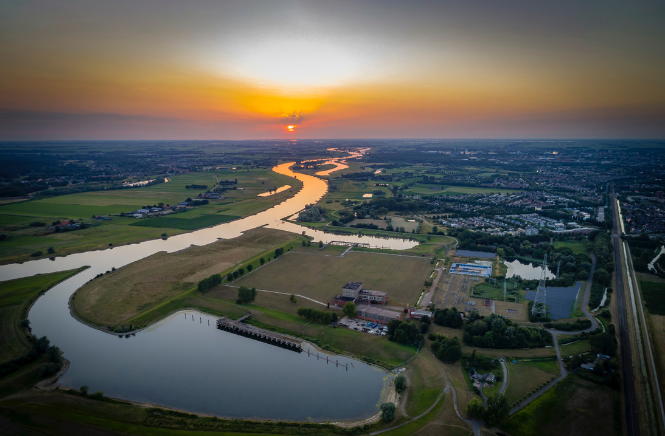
{"type": "Point", "coordinates": [237, 327]}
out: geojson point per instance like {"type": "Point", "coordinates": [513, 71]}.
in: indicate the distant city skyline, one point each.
{"type": "Point", "coordinates": [170, 70]}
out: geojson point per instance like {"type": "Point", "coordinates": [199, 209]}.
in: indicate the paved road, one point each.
{"type": "Point", "coordinates": [505, 377]}
{"type": "Point", "coordinates": [628, 378]}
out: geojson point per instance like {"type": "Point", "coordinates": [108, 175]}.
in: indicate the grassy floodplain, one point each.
{"type": "Point", "coordinates": [118, 298]}
{"type": "Point", "coordinates": [321, 277]}
{"type": "Point", "coordinates": [525, 376]}
{"type": "Point", "coordinates": [16, 296]}
{"type": "Point", "coordinates": [24, 239]}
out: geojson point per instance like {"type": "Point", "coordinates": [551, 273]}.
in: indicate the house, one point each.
{"type": "Point", "coordinates": [487, 378]}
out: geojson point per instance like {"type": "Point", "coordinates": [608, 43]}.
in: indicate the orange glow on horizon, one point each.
{"type": "Point", "coordinates": [291, 128]}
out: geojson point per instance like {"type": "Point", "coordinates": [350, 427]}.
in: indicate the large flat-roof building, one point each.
{"type": "Point", "coordinates": [351, 289]}
{"type": "Point", "coordinates": [377, 314]}
{"type": "Point", "coordinates": [471, 269]}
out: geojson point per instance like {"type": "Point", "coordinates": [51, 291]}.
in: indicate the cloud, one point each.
{"type": "Point", "coordinates": [295, 118]}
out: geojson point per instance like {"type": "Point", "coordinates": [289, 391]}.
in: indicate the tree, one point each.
{"type": "Point", "coordinates": [304, 243]}
{"type": "Point", "coordinates": [602, 276]}
{"type": "Point", "coordinates": [84, 389]}
{"type": "Point", "coordinates": [262, 261]}
{"type": "Point", "coordinates": [245, 295]}
{"type": "Point", "coordinates": [474, 408]}
{"type": "Point", "coordinates": [229, 277]}
{"type": "Point", "coordinates": [249, 268]}
{"type": "Point", "coordinates": [603, 343]}
{"type": "Point", "coordinates": [25, 323]}
{"type": "Point", "coordinates": [293, 299]}
{"type": "Point", "coordinates": [400, 383]}
{"type": "Point", "coordinates": [497, 409]}
{"type": "Point", "coordinates": [435, 229]}
{"type": "Point", "coordinates": [388, 411]}
{"type": "Point", "coordinates": [241, 271]}
{"type": "Point", "coordinates": [350, 309]}
{"type": "Point", "coordinates": [321, 246]}
{"type": "Point", "coordinates": [51, 250]}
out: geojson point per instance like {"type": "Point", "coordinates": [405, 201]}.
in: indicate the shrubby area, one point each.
{"type": "Point", "coordinates": [404, 332]}
{"type": "Point", "coordinates": [447, 349]}
{"type": "Point", "coordinates": [580, 324]}
{"type": "Point", "coordinates": [448, 317]}
{"type": "Point", "coordinates": [209, 282]}
{"type": "Point", "coordinates": [40, 346]}
{"type": "Point", "coordinates": [311, 214]}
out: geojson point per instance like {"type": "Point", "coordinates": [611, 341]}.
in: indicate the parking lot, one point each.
{"type": "Point", "coordinates": [362, 326]}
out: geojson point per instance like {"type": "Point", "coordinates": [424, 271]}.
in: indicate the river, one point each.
{"type": "Point", "coordinates": [184, 363]}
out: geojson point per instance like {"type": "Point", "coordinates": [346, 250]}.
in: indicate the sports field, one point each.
{"type": "Point", "coordinates": [322, 277]}
{"type": "Point", "coordinates": [120, 295]}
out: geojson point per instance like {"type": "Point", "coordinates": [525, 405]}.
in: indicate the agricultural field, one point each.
{"type": "Point", "coordinates": [15, 297]}
{"type": "Point", "coordinates": [321, 277]}
{"type": "Point", "coordinates": [24, 240]}
{"type": "Point", "coordinates": [572, 407]}
{"type": "Point", "coordinates": [525, 376]}
{"type": "Point", "coordinates": [119, 296]}
{"type": "Point", "coordinates": [653, 292]}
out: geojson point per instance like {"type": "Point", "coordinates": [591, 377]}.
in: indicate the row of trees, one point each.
{"type": "Point", "coordinates": [317, 315]}
{"type": "Point", "coordinates": [208, 283]}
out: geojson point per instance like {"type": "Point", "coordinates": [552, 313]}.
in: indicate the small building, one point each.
{"type": "Point", "coordinates": [588, 366]}
{"type": "Point", "coordinates": [531, 231]}
{"type": "Point", "coordinates": [418, 313]}
{"type": "Point", "coordinates": [342, 301]}
{"type": "Point", "coordinates": [352, 289]}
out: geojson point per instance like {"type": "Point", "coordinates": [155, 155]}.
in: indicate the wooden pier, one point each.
{"type": "Point", "coordinates": [237, 327]}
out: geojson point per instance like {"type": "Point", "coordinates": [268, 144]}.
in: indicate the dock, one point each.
{"type": "Point", "coordinates": [237, 327]}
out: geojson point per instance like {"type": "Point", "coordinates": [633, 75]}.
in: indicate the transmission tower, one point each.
{"type": "Point", "coordinates": [539, 308]}
{"type": "Point", "coordinates": [558, 267]}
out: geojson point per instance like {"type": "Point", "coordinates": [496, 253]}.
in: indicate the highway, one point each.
{"type": "Point", "coordinates": [627, 376]}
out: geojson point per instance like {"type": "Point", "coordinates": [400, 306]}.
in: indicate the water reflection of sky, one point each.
{"type": "Point", "coordinates": [529, 271]}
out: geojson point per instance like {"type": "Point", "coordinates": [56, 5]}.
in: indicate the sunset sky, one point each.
{"type": "Point", "coordinates": [331, 69]}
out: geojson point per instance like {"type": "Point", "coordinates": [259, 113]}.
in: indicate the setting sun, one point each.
{"type": "Point", "coordinates": [291, 128]}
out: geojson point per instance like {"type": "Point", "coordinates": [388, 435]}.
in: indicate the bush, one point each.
{"type": "Point", "coordinates": [98, 395]}
{"type": "Point", "coordinates": [400, 383]}
{"type": "Point", "coordinates": [388, 411]}
{"type": "Point", "coordinates": [317, 315]}
{"type": "Point", "coordinates": [84, 389]}
{"type": "Point", "coordinates": [245, 295]}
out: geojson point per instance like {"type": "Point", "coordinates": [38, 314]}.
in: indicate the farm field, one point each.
{"type": "Point", "coordinates": [121, 295]}
{"type": "Point", "coordinates": [322, 277]}
{"type": "Point", "coordinates": [653, 292]}
{"type": "Point", "coordinates": [24, 239]}
{"type": "Point", "coordinates": [15, 297]}
{"type": "Point", "coordinates": [570, 408]}
{"type": "Point", "coordinates": [525, 376]}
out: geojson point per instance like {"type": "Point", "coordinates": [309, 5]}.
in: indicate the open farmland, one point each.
{"type": "Point", "coordinates": [573, 407]}
{"type": "Point", "coordinates": [322, 277]}
{"type": "Point", "coordinates": [24, 239]}
{"type": "Point", "coordinates": [123, 294]}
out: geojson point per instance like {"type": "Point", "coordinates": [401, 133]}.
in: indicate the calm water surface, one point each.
{"type": "Point", "coordinates": [187, 364]}
{"type": "Point", "coordinates": [529, 271]}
